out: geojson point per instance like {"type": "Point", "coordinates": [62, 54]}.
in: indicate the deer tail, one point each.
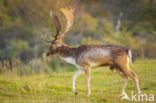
{"type": "Point", "coordinates": [131, 58]}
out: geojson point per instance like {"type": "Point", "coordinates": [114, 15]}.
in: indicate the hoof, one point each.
{"type": "Point", "coordinates": [88, 95]}
{"type": "Point", "coordinates": [76, 93]}
{"type": "Point", "coordinates": [120, 96]}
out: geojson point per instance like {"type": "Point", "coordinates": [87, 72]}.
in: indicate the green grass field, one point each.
{"type": "Point", "coordinates": [57, 87]}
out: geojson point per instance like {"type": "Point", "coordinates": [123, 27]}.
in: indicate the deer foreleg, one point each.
{"type": "Point", "coordinates": [80, 71]}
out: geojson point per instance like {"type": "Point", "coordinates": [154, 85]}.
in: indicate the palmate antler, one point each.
{"type": "Point", "coordinates": [58, 27]}
{"type": "Point", "coordinates": [69, 17]}
{"type": "Point", "coordinates": [57, 23]}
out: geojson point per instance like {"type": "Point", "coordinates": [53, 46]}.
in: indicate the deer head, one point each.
{"type": "Point", "coordinates": [58, 38]}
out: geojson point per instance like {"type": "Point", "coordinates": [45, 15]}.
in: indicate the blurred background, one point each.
{"type": "Point", "coordinates": [129, 23]}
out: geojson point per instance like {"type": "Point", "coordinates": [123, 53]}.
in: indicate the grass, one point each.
{"type": "Point", "coordinates": [57, 87]}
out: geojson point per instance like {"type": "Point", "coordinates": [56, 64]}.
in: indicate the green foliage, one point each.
{"type": "Point", "coordinates": [89, 40]}
{"type": "Point", "coordinates": [108, 28]}
{"type": "Point", "coordinates": [16, 47]}
{"type": "Point", "coordinates": [22, 23]}
{"type": "Point", "coordinates": [88, 23]}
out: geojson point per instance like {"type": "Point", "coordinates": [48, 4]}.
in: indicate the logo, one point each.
{"type": "Point", "coordinates": [139, 97]}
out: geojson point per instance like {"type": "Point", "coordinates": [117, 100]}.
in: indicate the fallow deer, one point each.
{"type": "Point", "coordinates": [86, 57]}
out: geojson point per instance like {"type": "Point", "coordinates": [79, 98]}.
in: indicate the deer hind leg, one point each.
{"type": "Point", "coordinates": [132, 75]}
{"type": "Point", "coordinates": [80, 71]}
{"type": "Point", "coordinates": [125, 79]}
{"type": "Point", "coordinates": [135, 79]}
{"type": "Point", "coordinates": [87, 74]}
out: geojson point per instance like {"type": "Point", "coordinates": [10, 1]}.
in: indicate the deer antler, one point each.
{"type": "Point", "coordinates": [44, 38]}
{"type": "Point", "coordinates": [58, 27]}
{"type": "Point", "coordinates": [57, 23]}
{"type": "Point", "coordinates": [69, 17]}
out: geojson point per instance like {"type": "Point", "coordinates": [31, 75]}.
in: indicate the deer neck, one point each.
{"type": "Point", "coordinates": [68, 54]}
{"type": "Point", "coordinates": [66, 51]}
